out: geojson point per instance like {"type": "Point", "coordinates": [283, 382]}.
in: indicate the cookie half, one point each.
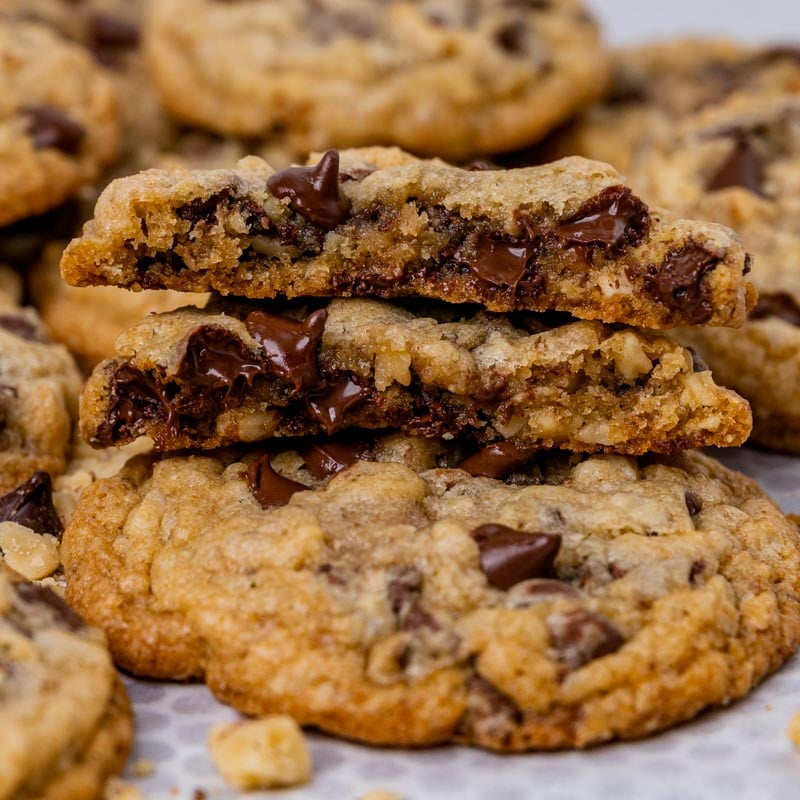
{"type": "Point", "coordinates": [383, 593]}
{"type": "Point", "coordinates": [65, 722]}
{"type": "Point", "coordinates": [241, 372]}
{"type": "Point", "coordinates": [568, 236]}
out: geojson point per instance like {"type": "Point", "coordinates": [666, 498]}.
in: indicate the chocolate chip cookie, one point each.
{"type": "Point", "coordinates": [568, 236]}
{"type": "Point", "coordinates": [398, 591]}
{"type": "Point", "coordinates": [65, 723]}
{"type": "Point", "coordinates": [452, 78]}
{"type": "Point", "coordinates": [658, 84]}
{"type": "Point", "coordinates": [39, 388]}
{"type": "Point", "coordinates": [247, 371]}
{"type": "Point", "coordinates": [58, 119]}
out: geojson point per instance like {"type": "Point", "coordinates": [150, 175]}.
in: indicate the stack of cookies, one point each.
{"type": "Point", "coordinates": [420, 474]}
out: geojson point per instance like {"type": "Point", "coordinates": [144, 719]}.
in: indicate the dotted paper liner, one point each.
{"type": "Point", "coordinates": [738, 752]}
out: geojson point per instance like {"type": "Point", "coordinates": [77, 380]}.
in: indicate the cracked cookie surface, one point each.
{"type": "Point", "coordinates": [405, 601]}
{"type": "Point", "coordinates": [239, 372]}
{"type": "Point", "coordinates": [454, 79]}
{"type": "Point", "coordinates": [65, 723]}
{"type": "Point", "coordinates": [567, 236]}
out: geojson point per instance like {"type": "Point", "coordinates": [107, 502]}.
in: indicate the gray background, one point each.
{"type": "Point", "coordinates": [627, 21]}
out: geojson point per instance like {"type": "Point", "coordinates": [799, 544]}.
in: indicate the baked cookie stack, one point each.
{"type": "Point", "coordinates": [419, 472]}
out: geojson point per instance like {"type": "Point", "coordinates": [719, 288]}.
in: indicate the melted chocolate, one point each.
{"type": "Point", "coordinates": [37, 595]}
{"type": "Point", "coordinates": [314, 192]}
{"type": "Point", "coordinates": [135, 396]}
{"type": "Point", "coordinates": [509, 556]}
{"type": "Point", "coordinates": [679, 282]}
{"type": "Point", "coordinates": [497, 460]}
{"type": "Point", "coordinates": [31, 505]}
{"type": "Point", "coordinates": [777, 304]}
{"type": "Point", "coordinates": [694, 503]}
{"type": "Point", "coordinates": [323, 459]}
{"type": "Point", "coordinates": [740, 168]}
{"type": "Point", "coordinates": [498, 262]}
{"type": "Point", "coordinates": [613, 218]}
{"type": "Point", "coordinates": [269, 488]}
{"type": "Point", "coordinates": [215, 359]}
{"type": "Point", "coordinates": [290, 346]}
{"type": "Point", "coordinates": [329, 408]}
{"type": "Point", "coordinates": [48, 126]}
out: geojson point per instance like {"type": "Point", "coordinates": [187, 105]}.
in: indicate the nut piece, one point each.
{"type": "Point", "coordinates": [33, 555]}
{"type": "Point", "coordinates": [793, 731]}
{"type": "Point", "coordinates": [261, 753]}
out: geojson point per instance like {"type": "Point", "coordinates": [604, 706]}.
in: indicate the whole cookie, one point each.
{"type": "Point", "coordinates": [39, 388]}
{"type": "Point", "coordinates": [657, 85]}
{"type": "Point", "coordinates": [389, 591]}
{"type": "Point", "coordinates": [241, 372]}
{"type": "Point", "coordinates": [65, 723]}
{"type": "Point", "coordinates": [450, 78]}
{"type": "Point", "coordinates": [58, 119]}
{"type": "Point", "coordinates": [567, 236]}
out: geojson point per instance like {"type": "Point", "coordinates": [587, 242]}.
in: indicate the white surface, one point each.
{"type": "Point", "coordinates": [627, 21]}
{"type": "Point", "coordinates": [738, 753]}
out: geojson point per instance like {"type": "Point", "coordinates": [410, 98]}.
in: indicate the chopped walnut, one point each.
{"type": "Point", "coordinates": [261, 753]}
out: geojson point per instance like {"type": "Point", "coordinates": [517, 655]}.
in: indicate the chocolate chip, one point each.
{"type": "Point", "coordinates": [22, 327]}
{"type": "Point", "coordinates": [613, 218]}
{"type": "Point", "coordinates": [696, 570]}
{"type": "Point", "coordinates": [489, 710]}
{"type": "Point", "coordinates": [48, 126]}
{"type": "Point", "coordinates": [134, 397]}
{"type": "Point", "coordinates": [37, 595]}
{"type": "Point", "coordinates": [512, 37]}
{"type": "Point", "coordinates": [698, 364]}
{"type": "Point", "coordinates": [527, 593]}
{"type": "Point", "coordinates": [109, 32]}
{"type": "Point", "coordinates": [215, 358]}
{"type": "Point", "coordinates": [678, 283]}
{"type": "Point", "coordinates": [323, 459]}
{"type": "Point", "coordinates": [509, 556]}
{"type": "Point", "coordinates": [740, 168]}
{"type": "Point", "coordinates": [777, 304]}
{"type": "Point", "coordinates": [403, 591]}
{"type": "Point", "coordinates": [581, 636]}
{"type": "Point", "coordinates": [290, 346]}
{"type": "Point", "coordinates": [694, 503]}
{"type": "Point", "coordinates": [314, 192]}
{"type": "Point", "coordinates": [269, 488]}
{"type": "Point", "coordinates": [329, 408]}
{"type": "Point", "coordinates": [31, 505]}
{"type": "Point", "coordinates": [497, 460]}
{"type": "Point", "coordinates": [203, 209]}
{"type": "Point", "coordinates": [499, 262]}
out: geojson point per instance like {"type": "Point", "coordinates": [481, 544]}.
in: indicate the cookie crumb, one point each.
{"type": "Point", "coordinates": [261, 753]}
{"type": "Point", "coordinates": [199, 794]}
{"type": "Point", "coordinates": [793, 731]}
{"type": "Point", "coordinates": [117, 789]}
{"type": "Point", "coordinates": [381, 794]}
{"type": "Point", "coordinates": [33, 555]}
{"type": "Point", "coordinates": [143, 768]}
